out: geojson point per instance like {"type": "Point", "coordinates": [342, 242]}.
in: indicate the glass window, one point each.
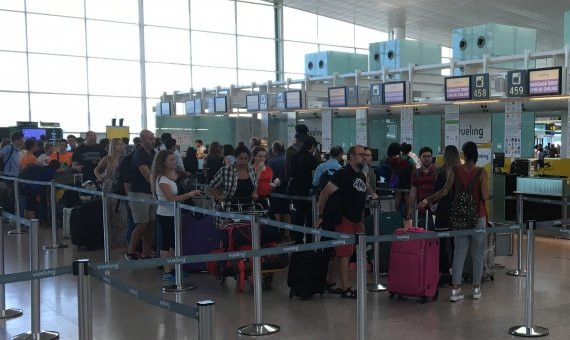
{"type": "Point", "coordinates": [213, 15]}
{"type": "Point", "coordinates": [112, 40]}
{"type": "Point", "coordinates": [114, 77]}
{"type": "Point", "coordinates": [15, 24]}
{"type": "Point", "coordinates": [364, 36]}
{"type": "Point", "coordinates": [362, 51]}
{"type": "Point", "coordinates": [151, 116]}
{"type": "Point", "coordinates": [49, 34]}
{"type": "Point", "coordinates": [256, 53]}
{"type": "Point", "coordinates": [103, 109]}
{"type": "Point", "coordinates": [336, 48]}
{"type": "Point", "coordinates": [299, 25]}
{"type": "Point", "coordinates": [171, 13]}
{"type": "Point", "coordinates": [295, 55]}
{"type": "Point", "coordinates": [58, 74]}
{"type": "Point", "coordinates": [255, 20]}
{"type": "Point", "coordinates": [167, 45]}
{"type": "Point", "coordinates": [335, 32]}
{"type": "Point", "coordinates": [14, 5]}
{"type": "Point", "coordinates": [211, 49]}
{"type": "Point", "coordinates": [123, 10]}
{"type": "Point", "coordinates": [69, 110]}
{"type": "Point", "coordinates": [210, 77]}
{"type": "Point", "coordinates": [14, 108]}
{"type": "Point", "coordinates": [166, 78]}
{"type": "Point", "coordinates": [72, 8]}
{"type": "Point", "coordinates": [246, 77]}
{"type": "Point", "coordinates": [13, 71]}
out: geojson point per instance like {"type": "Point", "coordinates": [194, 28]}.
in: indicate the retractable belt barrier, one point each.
{"type": "Point", "coordinates": [13, 217]}
{"type": "Point", "coordinates": [291, 197]}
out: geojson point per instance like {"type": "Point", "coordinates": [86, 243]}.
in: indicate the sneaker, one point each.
{"type": "Point", "coordinates": [456, 295]}
{"type": "Point", "coordinates": [476, 293]}
{"type": "Point", "coordinates": [131, 257]}
{"type": "Point", "coordinates": [169, 277]}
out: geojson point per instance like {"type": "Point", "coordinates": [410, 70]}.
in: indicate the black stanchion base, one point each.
{"type": "Point", "coordinates": [177, 289]}
{"type": "Point", "coordinates": [43, 335]}
{"type": "Point", "coordinates": [526, 332]}
{"type": "Point", "coordinates": [18, 232]}
{"type": "Point", "coordinates": [10, 313]}
{"type": "Point", "coordinates": [54, 246]}
{"type": "Point", "coordinates": [516, 272]}
{"type": "Point", "coordinates": [377, 288]}
{"type": "Point", "coordinates": [258, 329]}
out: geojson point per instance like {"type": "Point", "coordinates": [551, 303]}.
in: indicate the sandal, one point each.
{"type": "Point", "coordinates": [348, 293]}
{"type": "Point", "coordinates": [329, 287]}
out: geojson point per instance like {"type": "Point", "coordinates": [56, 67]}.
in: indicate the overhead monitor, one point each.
{"type": "Point", "coordinates": [337, 96]}
{"type": "Point", "coordinates": [458, 88]}
{"type": "Point", "coordinates": [198, 106]}
{"type": "Point", "coordinates": [480, 88]}
{"type": "Point", "coordinates": [517, 83]}
{"type": "Point", "coordinates": [252, 102]}
{"type": "Point", "coordinates": [33, 133]}
{"type": "Point", "coordinates": [190, 107]}
{"type": "Point", "coordinates": [545, 81]}
{"type": "Point", "coordinates": [158, 109]}
{"type": "Point", "coordinates": [293, 100]}
{"type": "Point", "coordinates": [165, 109]}
{"type": "Point", "coordinates": [375, 94]}
{"type": "Point", "coordinates": [395, 92]}
{"type": "Point", "coordinates": [221, 104]}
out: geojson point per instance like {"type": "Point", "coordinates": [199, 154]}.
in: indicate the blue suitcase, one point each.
{"type": "Point", "coordinates": [199, 236]}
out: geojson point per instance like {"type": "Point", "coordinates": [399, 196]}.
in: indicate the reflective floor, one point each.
{"type": "Point", "coordinates": [119, 316]}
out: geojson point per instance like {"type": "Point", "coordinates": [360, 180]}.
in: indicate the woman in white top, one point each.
{"type": "Point", "coordinates": [163, 184]}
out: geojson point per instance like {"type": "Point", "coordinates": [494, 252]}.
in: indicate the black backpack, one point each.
{"type": "Point", "coordinates": [123, 174]}
{"type": "Point", "coordinates": [332, 214]}
{"type": "Point", "coordinates": [464, 212]}
{"type": "Point", "coordinates": [3, 161]}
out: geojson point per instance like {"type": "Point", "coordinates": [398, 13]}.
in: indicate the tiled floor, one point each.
{"type": "Point", "coordinates": [119, 316]}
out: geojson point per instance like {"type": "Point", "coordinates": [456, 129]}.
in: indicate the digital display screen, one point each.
{"type": "Point", "coordinates": [517, 83]}
{"type": "Point", "coordinates": [165, 109]}
{"type": "Point", "coordinates": [458, 88]}
{"type": "Point", "coordinates": [158, 109]}
{"type": "Point", "coordinates": [337, 96]}
{"type": "Point", "coordinates": [252, 102]}
{"type": "Point", "coordinates": [546, 81]}
{"type": "Point", "coordinates": [220, 104]}
{"type": "Point", "coordinates": [395, 93]}
{"type": "Point", "coordinates": [190, 108]}
{"type": "Point", "coordinates": [33, 133]}
{"type": "Point", "coordinates": [293, 100]}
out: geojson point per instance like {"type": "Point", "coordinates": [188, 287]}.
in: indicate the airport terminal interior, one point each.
{"type": "Point", "coordinates": [284, 169]}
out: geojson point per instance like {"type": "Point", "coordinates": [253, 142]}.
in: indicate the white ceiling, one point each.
{"type": "Point", "coordinates": [433, 20]}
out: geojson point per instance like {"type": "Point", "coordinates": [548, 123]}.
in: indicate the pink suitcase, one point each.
{"type": "Point", "coordinates": [414, 267]}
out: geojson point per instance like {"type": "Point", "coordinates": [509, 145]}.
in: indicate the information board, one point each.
{"type": "Point", "coordinates": [293, 100]}
{"type": "Point", "coordinates": [211, 105]}
{"type": "Point", "coordinates": [375, 94]}
{"type": "Point", "coordinates": [165, 109]}
{"type": "Point", "coordinates": [190, 107]}
{"type": "Point", "coordinates": [545, 81]}
{"type": "Point", "coordinates": [221, 104]}
{"type": "Point", "coordinates": [280, 102]}
{"type": "Point", "coordinates": [458, 88]}
{"type": "Point", "coordinates": [252, 102]}
{"type": "Point", "coordinates": [337, 96]}
{"type": "Point", "coordinates": [517, 83]}
{"type": "Point", "coordinates": [198, 106]}
{"type": "Point", "coordinates": [394, 93]}
{"type": "Point", "coordinates": [480, 87]}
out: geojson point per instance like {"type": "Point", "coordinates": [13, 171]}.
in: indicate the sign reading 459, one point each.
{"type": "Point", "coordinates": [517, 83]}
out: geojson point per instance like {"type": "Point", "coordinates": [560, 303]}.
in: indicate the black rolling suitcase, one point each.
{"type": "Point", "coordinates": [308, 273]}
{"type": "Point", "coordinates": [86, 224]}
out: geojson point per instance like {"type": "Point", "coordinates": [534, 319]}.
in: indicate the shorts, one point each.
{"type": "Point", "coordinates": [142, 212]}
{"type": "Point", "coordinates": [166, 224]}
{"type": "Point", "coordinates": [346, 226]}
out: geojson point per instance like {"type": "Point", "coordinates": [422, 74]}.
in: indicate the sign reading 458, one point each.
{"type": "Point", "coordinates": [480, 86]}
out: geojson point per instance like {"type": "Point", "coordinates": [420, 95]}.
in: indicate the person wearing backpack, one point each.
{"type": "Point", "coordinates": [471, 189]}
{"type": "Point", "coordinates": [325, 170]}
{"type": "Point", "coordinates": [400, 176]}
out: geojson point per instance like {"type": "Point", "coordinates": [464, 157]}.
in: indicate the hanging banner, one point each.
{"type": "Point", "coordinates": [315, 128]}
{"type": "Point", "coordinates": [362, 127]}
{"type": "Point", "coordinates": [326, 135]}
{"type": "Point", "coordinates": [407, 125]}
{"type": "Point", "coordinates": [513, 129]}
{"type": "Point", "coordinates": [475, 128]}
{"type": "Point", "coordinates": [452, 125]}
{"type": "Point", "coordinates": [291, 123]}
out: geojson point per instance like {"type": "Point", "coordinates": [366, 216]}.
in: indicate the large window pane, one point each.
{"type": "Point", "coordinates": [114, 77]}
{"type": "Point", "coordinates": [257, 54]}
{"type": "Point", "coordinates": [364, 36]}
{"type": "Point", "coordinates": [213, 15]}
{"type": "Point", "coordinates": [112, 40]}
{"type": "Point", "coordinates": [14, 108]}
{"type": "Point", "coordinates": [13, 72]}
{"type": "Point", "coordinates": [255, 20]}
{"type": "Point", "coordinates": [299, 25]}
{"type": "Point", "coordinates": [295, 56]}
{"type": "Point", "coordinates": [213, 49]}
{"type": "Point", "coordinates": [103, 109]}
{"type": "Point", "coordinates": [63, 7]}
{"type": "Point", "coordinates": [166, 44]}
{"type": "Point", "coordinates": [210, 77]}
{"type": "Point", "coordinates": [336, 48]}
{"type": "Point", "coordinates": [50, 34]}
{"type": "Point", "coordinates": [70, 111]}
{"type": "Point", "coordinates": [14, 5]}
{"type": "Point", "coordinates": [122, 10]}
{"type": "Point", "coordinates": [166, 78]}
{"type": "Point", "coordinates": [57, 74]}
{"type": "Point", "coordinates": [151, 116]}
{"type": "Point", "coordinates": [171, 13]}
{"type": "Point", "coordinates": [246, 77]}
{"type": "Point", "coordinates": [335, 32]}
{"type": "Point", "coordinates": [15, 24]}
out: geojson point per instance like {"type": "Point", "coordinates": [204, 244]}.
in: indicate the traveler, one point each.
{"type": "Point", "coordinates": [400, 176]}
{"type": "Point", "coordinates": [104, 143]}
{"type": "Point", "coordinates": [301, 132]}
{"type": "Point", "coordinates": [470, 183]}
{"type": "Point", "coordinates": [163, 184]}
{"type": "Point", "coordinates": [422, 184]}
{"type": "Point", "coordinates": [264, 174]}
{"type": "Point", "coordinates": [28, 157]}
{"type": "Point", "coordinates": [143, 212]}
{"type": "Point", "coordinates": [72, 141]}
{"type": "Point", "coordinates": [279, 206]}
{"type": "Point", "coordinates": [80, 141]}
{"type": "Point", "coordinates": [105, 170]}
{"type": "Point", "coordinates": [228, 152]}
{"type": "Point", "coordinates": [62, 155]}
{"type": "Point", "coordinates": [44, 158]}
{"type": "Point", "coordinates": [35, 195]}
{"type": "Point", "coordinates": [169, 143]}
{"type": "Point", "coordinates": [351, 183]}
{"type": "Point", "coordinates": [214, 161]}
{"type": "Point", "coordinates": [200, 149]}
{"type": "Point", "coordinates": [190, 161]}
{"type": "Point", "coordinates": [253, 143]}
{"type": "Point", "coordinates": [329, 168]}
{"type": "Point", "coordinates": [39, 148]}
{"type": "Point", "coordinates": [87, 156]}
{"type": "Point", "coordinates": [11, 155]}
{"type": "Point", "coordinates": [137, 142]}
{"type": "Point", "coordinates": [369, 173]}
{"type": "Point", "coordinates": [406, 150]}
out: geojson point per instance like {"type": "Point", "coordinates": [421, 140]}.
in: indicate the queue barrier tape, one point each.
{"type": "Point", "coordinates": [36, 274]}
{"type": "Point", "coordinates": [441, 234]}
{"type": "Point", "coordinates": [178, 308]}
{"type": "Point", "coordinates": [306, 230]}
{"type": "Point", "coordinates": [14, 218]}
{"type": "Point", "coordinates": [291, 197]}
{"type": "Point", "coordinates": [554, 229]}
{"type": "Point", "coordinates": [81, 190]}
{"type": "Point", "coordinates": [545, 201]}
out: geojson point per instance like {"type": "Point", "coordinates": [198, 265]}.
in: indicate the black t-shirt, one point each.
{"type": "Point", "coordinates": [138, 182]}
{"type": "Point", "coordinates": [213, 164]}
{"type": "Point", "coordinates": [303, 164]}
{"type": "Point", "coordinates": [89, 157]}
{"type": "Point", "coordinates": [352, 187]}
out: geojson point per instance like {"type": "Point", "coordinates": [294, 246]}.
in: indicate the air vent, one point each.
{"type": "Point", "coordinates": [390, 55]}
{"type": "Point", "coordinates": [310, 65]}
{"type": "Point", "coordinates": [321, 64]}
{"type": "Point", "coordinates": [377, 56]}
{"type": "Point", "coordinates": [481, 42]}
{"type": "Point", "coordinates": [463, 44]}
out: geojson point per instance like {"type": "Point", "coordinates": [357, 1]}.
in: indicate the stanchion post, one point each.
{"type": "Point", "coordinates": [84, 305]}
{"type": "Point", "coordinates": [18, 229]}
{"type": "Point", "coordinates": [258, 327]}
{"type": "Point", "coordinates": [314, 210]}
{"type": "Point", "coordinates": [376, 286]}
{"type": "Point", "coordinates": [105, 210]}
{"type": "Point", "coordinates": [54, 238]}
{"type": "Point", "coordinates": [179, 285]}
{"type": "Point", "coordinates": [10, 312]}
{"type": "Point", "coordinates": [361, 286]}
{"type": "Point", "coordinates": [529, 329]}
{"type": "Point", "coordinates": [36, 332]}
{"type": "Point", "coordinates": [519, 271]}
{"type": "Point", "coordinates": [206, 329]}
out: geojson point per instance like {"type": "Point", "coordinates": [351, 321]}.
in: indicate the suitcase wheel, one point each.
{"type": "Point", "coordinates": [291, 293]}
{"type": "Point", "coordinates": [423, 300]}
{"type": "Point", "coordinates": [392, 295]}
{"type": "Point", "coordinates": [492, 277]}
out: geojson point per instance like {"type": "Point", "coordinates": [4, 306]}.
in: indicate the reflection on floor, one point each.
{"type": "Point", "coordinates": [119, 316]}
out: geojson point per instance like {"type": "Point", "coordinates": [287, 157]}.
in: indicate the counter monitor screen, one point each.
{"type": "Point", "coordinates": [252, 102]}
{"type": "Point", "coordinates": [165, 109]}
{"type": "Point", "coordinates": [545, 81]}
{"type": "Point", "coordinates": [499, 160]}
{"type": "Point", "coordinates": [293, 99]}
{"type": "Point", "coordinates": [458, 88]}
{"type": "Point", "coordinates": [220, 104]}
{"type": "Point", "coordinates": [33, 133]}
{"type": "Point", "coordinates": [395, 93]}
{"type": "Point", "coordinates": [337, 96]}
{"type": "Point", "coordinates": [190, 108]}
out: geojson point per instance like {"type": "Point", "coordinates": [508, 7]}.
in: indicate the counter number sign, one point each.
{"type": "Point", "coordinates": [517, 83]}
{"type": "Point", "coordinates": [480, 86]}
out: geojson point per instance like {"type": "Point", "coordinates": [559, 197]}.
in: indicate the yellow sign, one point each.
{"type": "Point", "coordinates": [117, 132]}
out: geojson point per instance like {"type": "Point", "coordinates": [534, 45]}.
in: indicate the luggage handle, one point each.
{"type": "Point", "coordinates": [427, 216]}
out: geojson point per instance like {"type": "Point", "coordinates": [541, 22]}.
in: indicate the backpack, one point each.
{"type": "Point", "coordinates": [464, 213]}
{"type": "Point", "coordinates": [324, 180]}
{"type": "Point", "coordinates": [122, 174]}
{"type": "Point", "coordinates": [4, 162]}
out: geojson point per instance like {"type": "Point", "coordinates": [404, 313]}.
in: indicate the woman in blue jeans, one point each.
{"type": "Point", "coordinates": [468, 178]}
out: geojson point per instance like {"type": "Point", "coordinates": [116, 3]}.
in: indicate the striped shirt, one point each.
{"type": "Point", "coordinates": [424, 183]}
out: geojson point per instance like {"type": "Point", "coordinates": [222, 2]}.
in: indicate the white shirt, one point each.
{"type": "Point", "coordinates": [43, 159]}
{"type": "Point", "coordinates": [165, 208]}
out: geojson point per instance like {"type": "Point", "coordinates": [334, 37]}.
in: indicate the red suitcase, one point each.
{"type": "Point", "coordinates": [414, 267]}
